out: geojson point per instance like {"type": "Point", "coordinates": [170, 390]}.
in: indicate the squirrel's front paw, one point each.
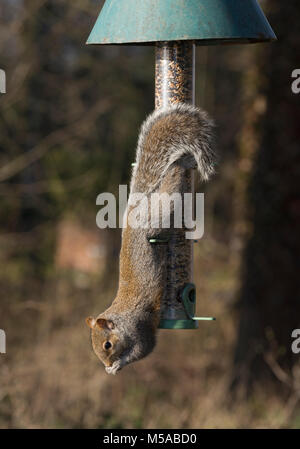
{"type": "Point", "coordinates": [116, 366]}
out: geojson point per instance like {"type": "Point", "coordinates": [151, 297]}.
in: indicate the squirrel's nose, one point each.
{"type": "Point", "coordinates": [108, 365]}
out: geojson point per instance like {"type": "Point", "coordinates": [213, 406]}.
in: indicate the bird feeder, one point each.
{"type": "Point", "coordinates": [175, 27]}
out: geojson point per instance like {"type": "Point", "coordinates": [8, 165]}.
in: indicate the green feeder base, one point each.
{"type": "Point", "coordinates": [188, 298]}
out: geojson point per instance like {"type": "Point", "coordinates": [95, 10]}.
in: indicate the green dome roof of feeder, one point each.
{"type": "Point", "coordinates": [203, 21]}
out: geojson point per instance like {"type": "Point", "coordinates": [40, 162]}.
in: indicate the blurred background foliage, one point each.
{"type": "Point", "coordinates": [68, 128]}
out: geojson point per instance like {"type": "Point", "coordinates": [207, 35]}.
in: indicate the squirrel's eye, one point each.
{"type": "Point", "coordinates": [107, 345]}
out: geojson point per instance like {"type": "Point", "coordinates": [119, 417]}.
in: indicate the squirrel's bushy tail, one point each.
{"type": "Point", "coordinates": [179, 133]}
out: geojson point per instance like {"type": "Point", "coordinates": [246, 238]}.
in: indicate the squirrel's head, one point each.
{"type": "Point", "coordinates": [117, 347]}
{"type": "Point", "coordinates": [106, 343]}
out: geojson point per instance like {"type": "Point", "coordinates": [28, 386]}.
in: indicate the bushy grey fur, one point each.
{"type": "Point", "coordinates": [177, 146]}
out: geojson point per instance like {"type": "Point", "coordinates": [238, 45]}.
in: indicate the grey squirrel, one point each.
{"type": "Point", "coordinates": [171, 141]}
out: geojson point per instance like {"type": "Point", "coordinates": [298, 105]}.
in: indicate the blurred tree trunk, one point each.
{"type": "Point", "coordinates": [40, 108]}
{"type": "Point", "coordinates": [269, 304]}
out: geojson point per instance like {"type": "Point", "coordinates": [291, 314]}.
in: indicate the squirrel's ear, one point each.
{"type": "Point", "coordinates": [110, 324]}
{"type": "Point", "coordinates": [90, 321]}
{"type": "Point", "coordinates": [105, 324]}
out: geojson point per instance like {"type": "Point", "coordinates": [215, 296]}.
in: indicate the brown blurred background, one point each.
{"type": "Point", "coordinates": [68, 128]}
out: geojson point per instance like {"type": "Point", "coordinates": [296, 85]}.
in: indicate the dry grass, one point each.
{"type": "Point", "coordinates": [51, 378]}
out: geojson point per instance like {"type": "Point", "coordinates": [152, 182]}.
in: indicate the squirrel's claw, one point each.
{"type": "Point", "coordinates": [116, 366]}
